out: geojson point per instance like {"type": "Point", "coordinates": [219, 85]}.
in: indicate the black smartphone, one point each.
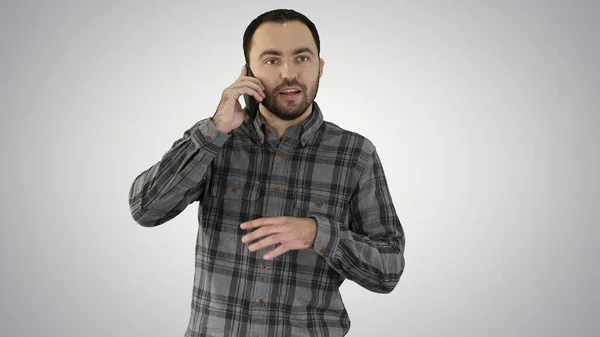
{"type": "Point", "coordinates": [251, 102]}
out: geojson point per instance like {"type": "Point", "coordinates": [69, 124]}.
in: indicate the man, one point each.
{"type": "Point", "coordinates": [289, 205]}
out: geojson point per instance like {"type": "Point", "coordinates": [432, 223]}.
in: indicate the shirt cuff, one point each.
{"type": "Point", "coordinates": [327, 238]}
{"type": "Point", "coordinates": [207, 134]}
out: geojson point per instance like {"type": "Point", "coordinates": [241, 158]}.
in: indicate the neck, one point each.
{"type": "Point", "coordinates": [279, 125]}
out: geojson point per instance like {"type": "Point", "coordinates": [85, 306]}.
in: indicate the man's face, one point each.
{"type": "Point", "coordinates": [284, 57]}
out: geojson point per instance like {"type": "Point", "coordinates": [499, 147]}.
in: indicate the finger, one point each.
{"type": "Point", "coordinates": [251, 79]}
{"type": "Point", "coordinates": [257, 81]}
{"type": "Point", "coordinates": [257, 86]}
{"type": "Point", "coordinates": [277, 251]}
{"type": "Point", "coordinates": [258, 97]}
{"type": "Point", "coordinates": [268, 241]}
{"type": "Point", "coordinates": [244, 90]}
{"type": "Point", "coordinates": [251, 82]}
{"type": "Point", "coordinates": [275, 220]}
{"type": "Point", "coordinates": [260, 233]}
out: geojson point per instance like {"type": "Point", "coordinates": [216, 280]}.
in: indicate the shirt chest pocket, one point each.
{"type": "Point", "coordinates": [235, 200]}
{"type": "Point", "coordinates": [320, 204]}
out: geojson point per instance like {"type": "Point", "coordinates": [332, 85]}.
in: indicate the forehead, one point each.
{"type": "Point", "coordinates": [284, 37]}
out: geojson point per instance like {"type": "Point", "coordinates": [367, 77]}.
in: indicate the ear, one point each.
{"type": "Point", "coordinates": [321, 64]}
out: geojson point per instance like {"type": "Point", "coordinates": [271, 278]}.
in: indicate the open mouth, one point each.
{"type": "Point", "coordinates": [292, 92]}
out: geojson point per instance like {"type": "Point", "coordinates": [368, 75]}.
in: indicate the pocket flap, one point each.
{"type": "Point", "coordinates": [320, 205]}
{"type": "Point", "coordinates": [236, 189]}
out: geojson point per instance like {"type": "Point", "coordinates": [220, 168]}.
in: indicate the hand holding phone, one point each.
{"type": "Point", "coordinates": [251, 102]}
{"type": "Point", "coordinates": [230, 114]}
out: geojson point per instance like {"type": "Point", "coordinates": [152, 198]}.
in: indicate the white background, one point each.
{"type": "Point", "coordinates": [485, 115]}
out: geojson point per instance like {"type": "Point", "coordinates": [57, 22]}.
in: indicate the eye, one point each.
{"type": "Point", "coordinates": [271, 61]}
{"type": "Point", "coordinates": [303, 58]}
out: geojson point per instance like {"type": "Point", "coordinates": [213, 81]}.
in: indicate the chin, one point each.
{"type": "Point", "coordinates": [286, 112]}
{"type": "Point", "coordinates": [288, 116]}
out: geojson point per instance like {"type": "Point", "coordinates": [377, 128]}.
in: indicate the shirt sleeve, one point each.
{"type": "Point", "coordinates": [166, 188]}
{"type": "Point", "coordinates": [370, 251]}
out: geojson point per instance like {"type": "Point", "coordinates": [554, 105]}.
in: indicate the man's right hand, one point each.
{"type": "Point", "coordinates": [229, 114]}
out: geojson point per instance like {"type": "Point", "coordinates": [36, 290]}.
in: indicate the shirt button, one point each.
{"type": "Point", "coordinates": [207, 138]}
{"type": "Point", "coordinates": [319, 204]}
{"type": "Point", "coordinates": [182, 174]}
{"type": "Point", "coordinates": [282, 155]}
{"type": "Point", "coordinates": [275, 189]}
{"type": "Point", "coordinates": [264, 267]}
{"type": "Point", "coordinates": [350, 268]}
{"type": "Point", "coordinates": [234, 189]}
{"type": "Point", "coordinates": [268, 130]}
{"type": "Point", "coordinates": [323, 250]}
{"type": "Point", "coordinates": [261, 301]}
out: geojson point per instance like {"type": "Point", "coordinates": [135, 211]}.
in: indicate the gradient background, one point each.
{"type": "Point", "coordinates": [485, 115]}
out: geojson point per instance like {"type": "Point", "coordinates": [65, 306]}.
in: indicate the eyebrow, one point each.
{"type": "Point", "coordinates": [279, 53]}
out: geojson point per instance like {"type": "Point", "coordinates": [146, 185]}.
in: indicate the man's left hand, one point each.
{"type": "Point", "coordinates": [289, 232]}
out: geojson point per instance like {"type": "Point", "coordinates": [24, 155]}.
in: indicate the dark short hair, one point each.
{"type": "Point", "coordinates": [278, 16]}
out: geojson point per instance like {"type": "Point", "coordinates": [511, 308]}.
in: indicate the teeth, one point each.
{"type": "Point", "coordinates": [290, 91]}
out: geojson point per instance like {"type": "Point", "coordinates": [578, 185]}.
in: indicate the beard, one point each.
{"type": "Point", "coordinates": [288, 110]}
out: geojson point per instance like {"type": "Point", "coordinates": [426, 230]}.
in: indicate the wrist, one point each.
{"type": "Point", "coordinates": [219, 125]}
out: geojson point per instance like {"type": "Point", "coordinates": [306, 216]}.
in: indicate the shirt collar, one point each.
{"type": "Point", "coordinates": [307, 129]}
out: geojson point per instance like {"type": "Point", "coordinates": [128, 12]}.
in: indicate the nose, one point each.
{"type": "Point", "coordinates": [288, 71]}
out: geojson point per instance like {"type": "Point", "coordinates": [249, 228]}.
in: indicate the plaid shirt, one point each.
{"type": "Point", "coordinates": [316, 170]}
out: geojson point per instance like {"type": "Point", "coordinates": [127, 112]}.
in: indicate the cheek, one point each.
{"type": "Point", "coordinates": [270, 85]}
{"type": "Point", "coordinates": [268, 80]}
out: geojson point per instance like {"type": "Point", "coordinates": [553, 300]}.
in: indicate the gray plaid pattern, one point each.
{"type": "Point", "coordinates": [317, 170]}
